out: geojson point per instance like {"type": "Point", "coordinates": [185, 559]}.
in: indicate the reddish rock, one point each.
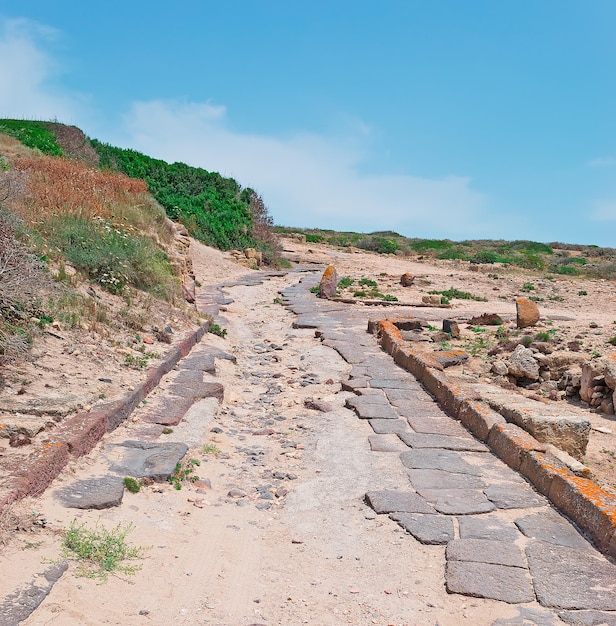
{"type": "Point", "coordinates": [407, 279]}
{"type": "Point", "coordinates": [527, 313]}
{"type": "Point", "coordinates": [329, 283]}
{"type": "Point", "coordinates": [148, 340]}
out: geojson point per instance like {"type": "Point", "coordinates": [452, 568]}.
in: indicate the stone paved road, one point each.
{"type": "Point", "coordinates": [504, 540]}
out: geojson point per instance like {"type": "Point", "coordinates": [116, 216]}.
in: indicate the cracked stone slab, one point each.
{"type": "Point", "coordinates": [93, 493]}
{"type": "Point", "coordinates": [385, 443]}
{"type": "Point", "coordinates": [371, 407]}
{"type": "Point", "coordinates": [441, 425]}
{"type": "Point", "coordinates": [168, 411]}
{"type": "Point", "coordinates": [386, 427]}
{"type": "Point", "coordinates": [487, 527]}
{"type": "Point", "coordinates": [403, 397]}
{"type": "Point", "coordinates": [568, 578]}
{"type": "Point", "coordinates": [444, 442]}
{"type": "Point", "coordinates": [141, 459]}
{"type": "Point", "coordinates": [457, 501]}
{"type": "Point", "coordinates": [17, 606]}
{"type": "Point", "coordinates": [551, 527]}
{"type": "Point", "coordinates": [198, 391]}
{"type": "Point", "coordinates": [446, 460]}
{"type": "Point", "coordinates": [485, 551]}
{"type": "Point", "coordinates": [486, 580]}
{"type": "Point", "coordinates": [514, 496]}
{"type": "Point", "coordinates": [397, 502]}
{"type": "Point", "coordinates": [439, 479]}
{"type": "Point", "coordinates": [588, 618]}
{"type": "Point", "coordinates": [426, 528]}
{"type": "Point", "coordinates": [199, 363]}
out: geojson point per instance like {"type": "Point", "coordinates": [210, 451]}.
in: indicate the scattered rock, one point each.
{"type": "Point", "coordinates": [451, 327]}
{"type": "Point", "coordinates": [527, 313]}
{"type": "Point", "coordinates": [407, 279]}
{"type": "Point", "coordinates": [522, 364]}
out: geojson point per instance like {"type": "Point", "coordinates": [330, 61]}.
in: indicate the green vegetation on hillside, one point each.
{"type": "Point", "coordinates": [32, 134]}
{"type": "Point", "coordinates": [214, 209]}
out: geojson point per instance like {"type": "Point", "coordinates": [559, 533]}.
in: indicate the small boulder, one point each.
{"type": "Point", "coordinates": [527, 313]}
{"type": "Point", "coordinates": [407, 279]}
{"type": "Point", "coordinates": [451, 327]}
{"type": "Point", "coordinates": [329, 283]}
{"type": "Point", "coordinates": [500, 368]}
{"type": "Point", "coordinates": [522, 364]}
{"type": "Point", "coordinates": [432, 299]}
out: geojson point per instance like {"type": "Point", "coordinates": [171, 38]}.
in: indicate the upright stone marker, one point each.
{"type": "Point", "coordinates": [527, 313]}
{"type": "Point", "coordinates": [329, 283]}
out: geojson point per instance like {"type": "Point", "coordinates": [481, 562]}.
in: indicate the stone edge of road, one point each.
{"type": "Point", "coordinates": [79, 434]}
{"type": "Point", "coordinates": [582, 500]}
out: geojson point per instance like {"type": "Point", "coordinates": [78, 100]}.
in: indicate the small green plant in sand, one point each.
{"type": "Point", "coordinates": [100, 551]}
{"type": "Point", "coordinates": [132, 484]}
{"type": "Point", "coordinates": [215, 329]}
{"type": "Point", "coordinates": [184, 471]}
{"type": "Point", "coordinates": [211, 448]}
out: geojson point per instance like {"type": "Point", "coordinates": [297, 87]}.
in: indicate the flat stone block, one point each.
{"type": "Point", "coordinates": [444, 442]}
{"type": "Point", "coordinates": [479, 418]}
{"type": "Point", "coordinates": [438, 425]}
{"type": "Point", "coordinates": [551, 527]}
{"type": "Point", "coordinates": [529, 616]}
{"type": "Point", "coordinates": [386, 443]}
{"type": "Point", "coordinates": [485, 551]}
{"type": "Point", "coordinates": [94, 493]}
{"type": "Point", "coordinates": [427, 529]}
{"type": "Point", "coordinates": [371, 407]}
{"type": "Point", "coordinates": [391, 383]}
{"type": "Point", "coordinates": [439, 479]}
{"type": "Point", "coordinates": [197, 391]}
{"type": "Point", "coordinates": [385, 427]}
{"type": "Point", "coordinates": [541, 469]}
{"type": "Point", "coordinates": [588, 618]}
{"type": "Point", "coordinates": [406, 396]}
{"type": "Point", "coordinates": [430, 458]}
{"type": "Point", "coordinates": [141, 459]}
{"type": "Point", "coordinates": [485, 580]}
{"type": "Point", "coordinates": [514, 496]}
{"type": "Point", "coordinates": [457, 501]}
{"type": "Point", "coordinates": [510, 443]}
{"type": "Point", "coordinates": [397, 501]}
{"type": "Point", "coordinates": [168, 411]}
{"type": "Point", "coordinates": [567, 578]}
{"type": "Point", "coordinates": [354, 384]}
{"type": "Point", "coordinates": [188, 376]}
{"type": "Point", "coordinates": [487, 527]}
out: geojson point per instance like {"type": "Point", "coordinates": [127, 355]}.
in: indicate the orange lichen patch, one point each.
{"type": "Point", "coordinates": [387, 327]}
{"type": "Point", "coordinates": [330, 271]}
{"type": "Point", "coordinates": [597, 496]}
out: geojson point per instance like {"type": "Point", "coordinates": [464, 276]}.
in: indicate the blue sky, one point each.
{"type": "Point", "coordinates": [463, 119]}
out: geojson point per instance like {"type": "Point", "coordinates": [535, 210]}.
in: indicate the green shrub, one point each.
{"type": "Point", "coordinates": [32, 134]}
{"type": "Point", "coordinates": [528, 287]}
{"type": "Point", "coordinates": [567, 270]}
{"type": "Point", "coordinates": [452, 293]}
{"type": "Point", "coordinates": [367, 282]}
{"type": "Point", "coordinates": [312, 238]}
{"type": "Point", "coordinates": [345, 282]}
{"type": "Point", "coordinates": [381, 245]}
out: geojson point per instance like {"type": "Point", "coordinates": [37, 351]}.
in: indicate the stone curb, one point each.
{"type": "Point", "coordinates": [592, 508]}
{"type": "Point", "coordinates": [79, 434]}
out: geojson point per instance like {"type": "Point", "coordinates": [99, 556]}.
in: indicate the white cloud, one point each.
{"type": "Point", "coordinates": [602, 161]}
{"type": "Point", "coordinates": [307, 179]}
{"type": "Point", "coordinates": [27, 74]}
{"type": "Point", "coordinates": [604, 211]}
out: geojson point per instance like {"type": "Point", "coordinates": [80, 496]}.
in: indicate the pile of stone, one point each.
{"type": "Point", "coordinates": [250, 257]}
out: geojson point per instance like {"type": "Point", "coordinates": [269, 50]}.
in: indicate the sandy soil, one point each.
{"type": "Point", "coordinates": [317, 555]}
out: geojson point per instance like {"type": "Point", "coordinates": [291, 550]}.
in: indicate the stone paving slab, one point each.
{"type": "Point", "coordinates": [442, 442]}
{"type": "Point", "coordinates": [486, 551]}
{"type": "Point", "coordinates": [386, 443]}
{"type": "Point", "coordinates": [390, 383]}
{"type": "Point", "coordinates": [196, 391]}
{"type": "Point", "coordinates": [439, 479]}
{"type": "Point", "coordinates": [427, 529]}
{"type": "Point", "coordinates": [487, 527]}
{"type": "Point", "coordinates": [167, 411]}
{"type": "Point", "coordinates": [446, 460]}
{"type": "Point", "coordinates": [397, 502]}
{"type": "Point", "coordinates": [528, 616]}
{"type": "Point", "coordinates": [567, 578]}
{"type": "Point", "coordinates": [441, 425]}
{"type": "Point", "coordinates": [385, 427]}
{"type": "Point", "coordinates": [457, 501]}
{"type": "Point", "coordinates": [402, 397]}
{"type": "Point", "coordinates": [101, 492]}
{"type": "Point", "coordinates": [514, 496]}
{"type": "Point", "coordinates": [485, 580]}
{"type": "Point", "coordinates": [551, 527]}
{"type": "Point", "coordinates": [588, 618]}
{"type": "Point", "coordinates": [141, 459]}
{"type": "Point", "coordinates": [371, 407]}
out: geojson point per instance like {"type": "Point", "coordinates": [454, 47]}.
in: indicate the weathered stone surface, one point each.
{"type": "Point", "coordinates": [397, 502]}
{"type": "Point", "coordinates": [407, 279]}
{"type": "Point", "coordinates": [141, 459]}
{"type": "Point", "coordinates": [188, 376]}
{"type": "Point", "coordinates": [514, 496]}
{"type": "Point", "coordinates": [449, 358]}
{"type": "Point", "coordinates": [427, 529]}
{"type": "Point", "coordinates": [199, 390]}
{"type": "Point", "coordinates": [385, 427]}
{"type": "Point", "coordinates": [527, 313]}
{"type": "Point", "coordinates": [17, 606]}
{"type": "Point", "coordinates": [562, 427]}
{"type": "Point", "coordinates": [529, 616]}
{"type": "Point", "coordinates": [438, 479]}
{"type": "Point", "coordinates": [487, 527]}
{"type": "Point", "coordinates": [485, 580]}
{"type": "Point", "coordinates": [168, 411]}
{"type": "Point", "coordinates": [588, 618]}
{"type": "Point", "coordinates": [486, 551]}
{"type": "Point", "coordinates": [551, 527]}
{"type": "Point", "coordinates": [371, 407]}
{"type": "Point", "coordinates": [447, 460]}
{"type": "Point", "coordinates": [404, 397]}
{"type": "Point", "coordinates": [386, 443]}
{"type": "Point", "coordinates": [444, 442]}
{"type": "Point", "coordinates": [391, 383]}
{"type": "Point", "coordinates": [457, 501]}
{"type": "Point", "coordinates": [431, 299]}
{"type": "Point", "coordinates": [452, 328]}
{"type": "Point", "coordinates": [522, 364]}
{"type": "Point", "coordinates": [329, 283]}
{"type": "Point", "coordinates": [443, 425]}
{"type": "Point", "coordinates": [102, 492]}
{"type": "Point", "coordinates": [567, 578]}
{"type": "Point", "coordinates": [28, 425]}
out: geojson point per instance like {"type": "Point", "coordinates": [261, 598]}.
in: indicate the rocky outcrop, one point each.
{"type": "Point", "coordinates": [522, 364]}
